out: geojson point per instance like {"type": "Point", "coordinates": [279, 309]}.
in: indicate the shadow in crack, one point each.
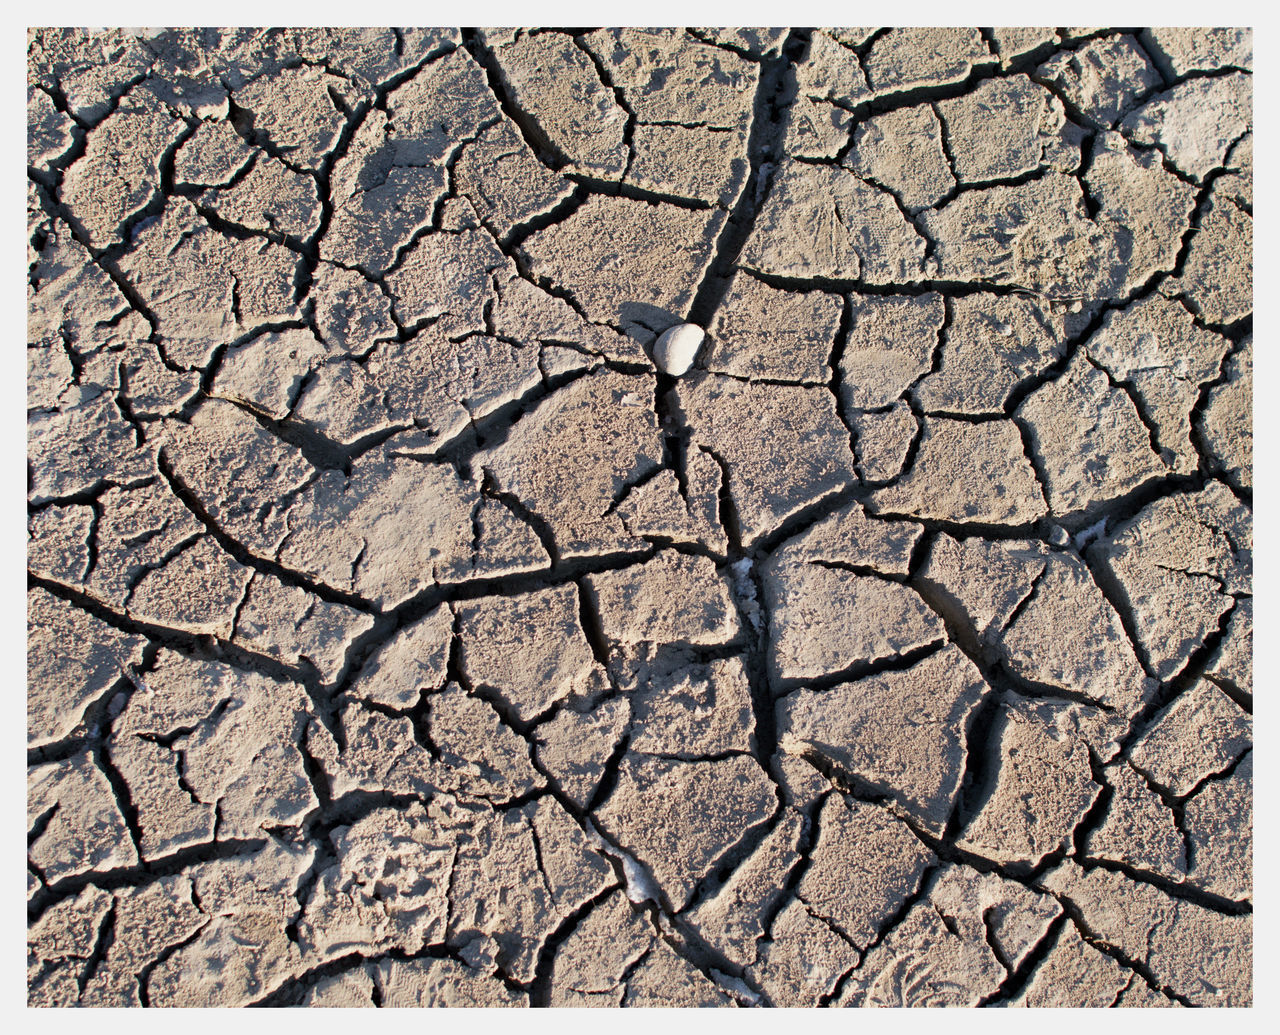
{"type": "Point", "coordinates": [645, 322]}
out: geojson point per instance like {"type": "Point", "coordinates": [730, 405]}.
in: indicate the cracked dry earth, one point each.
{"type": "Point", "coordinates": [399, 634]}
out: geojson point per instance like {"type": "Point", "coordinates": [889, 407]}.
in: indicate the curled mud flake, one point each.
{"type": "Point", "coordinates": [1103, 79]}
{"type": "Point", "coordinates": [1194, 952]}
{"type": "Point", "coordinates": [76, 822]}
{"type": "Point", "coordinates": [901, 733]}
{"type": "Point", "coordinates": [955, 946]}
{"type": "Point", "coordinates": [1043, 789]}
{"type": "Point", "coordinates": [680, 817]}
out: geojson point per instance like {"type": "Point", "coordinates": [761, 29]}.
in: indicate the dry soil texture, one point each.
{"type": "Point", "coordinates": [400, 634]}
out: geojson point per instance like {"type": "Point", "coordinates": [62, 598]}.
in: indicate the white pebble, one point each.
{"type": "Point", "coordinates": [676, 347]}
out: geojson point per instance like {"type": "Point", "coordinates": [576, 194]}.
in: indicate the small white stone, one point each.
{"type": "Point", "coordinates": [676, 347]}
{"type": "Point", "coordinates": [1091, 533]}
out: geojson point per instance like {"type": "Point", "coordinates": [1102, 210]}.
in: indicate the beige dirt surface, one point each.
{"type": "Point", "coordinates": [420, 615]}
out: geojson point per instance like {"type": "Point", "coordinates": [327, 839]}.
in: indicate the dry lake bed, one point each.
{"type": "Point", "coordinates": [685, 517]}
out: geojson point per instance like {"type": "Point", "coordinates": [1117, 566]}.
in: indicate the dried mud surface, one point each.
{"type": "Point", "coordinates": [400, 635]}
